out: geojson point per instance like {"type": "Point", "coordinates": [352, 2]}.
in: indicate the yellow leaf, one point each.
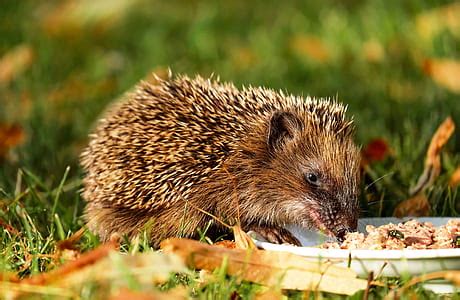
{"type": "Point", "coordinates": [269, 268]}
{"type": "Point", "coordinates": [71, 16]}
{"type": "Point", "coordinates": [445, 72]}
{"type": "Point", "coordinates": [454, 180]}
{"type": "Point", "coordinates": [311, 47]}
{"type": "Point", "coordinates": [242, 239]}
{"type": "Point", "coordinates": [373, 51]}
{"type": "Point", "coordinates": [430, 23]}
{"type": "Point", "coordinates": [14, 62]}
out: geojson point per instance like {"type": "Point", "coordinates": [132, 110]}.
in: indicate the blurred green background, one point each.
{"type": "Point", "coordinates": [395, 63]}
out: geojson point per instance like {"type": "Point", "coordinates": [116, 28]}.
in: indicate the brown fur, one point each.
{"type": "Point", "coordinates": [239, 155]}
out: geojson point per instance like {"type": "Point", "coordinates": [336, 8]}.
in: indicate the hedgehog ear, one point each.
{"type": "Point", "coordinates": [283, 126]}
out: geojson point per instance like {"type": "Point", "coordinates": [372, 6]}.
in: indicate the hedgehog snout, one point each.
{"type": "Point", "coordinates": [336, 219]}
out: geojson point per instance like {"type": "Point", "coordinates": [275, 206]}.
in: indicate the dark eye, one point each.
{"type": "Point", "coordinates": [312, 178]}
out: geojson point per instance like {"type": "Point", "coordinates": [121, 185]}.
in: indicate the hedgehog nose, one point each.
{"type": "Point", "coordinates": [341, 233]}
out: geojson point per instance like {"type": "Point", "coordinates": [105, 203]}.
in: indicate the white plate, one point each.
{"type": "Point", "coordinates": [381, 262]}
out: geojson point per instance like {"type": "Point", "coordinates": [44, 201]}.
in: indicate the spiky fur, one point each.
{"type": "Point", "coordinates": [183, 143]}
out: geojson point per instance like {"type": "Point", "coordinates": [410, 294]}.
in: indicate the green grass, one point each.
{"type": "Point", "coordinates": [76, 73]}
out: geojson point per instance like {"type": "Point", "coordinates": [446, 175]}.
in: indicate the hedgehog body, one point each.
{"type": "Point", "coordinates": [169, 151]}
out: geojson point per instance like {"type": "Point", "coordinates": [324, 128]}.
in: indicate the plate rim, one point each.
{"type": "Point", "coordinates": [383, 254]}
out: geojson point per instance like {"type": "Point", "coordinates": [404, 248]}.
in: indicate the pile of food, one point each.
{"type": "Point", "coordinates": [407, 235]}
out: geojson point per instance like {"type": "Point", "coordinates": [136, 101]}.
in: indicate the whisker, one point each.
{"type": "Point", "coordinates": [380, 178]}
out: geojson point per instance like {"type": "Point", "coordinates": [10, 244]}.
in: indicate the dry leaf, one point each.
{"type": "Point", "coordinates": [72, 240]}
{"type": "Point", "coordinates": [454, 180]}
{"type": "Point", "coordinates": [242, 239]}
{"type": "Point", "coordinates": [11, 135]}
{"type": "Point", "coordinates": [433, 156]}
{"type": "Point", "coordinates": [109, 267]}
{"type": "Point", "coordinates": [416, 206]}
{"type": "Point", "coordinates": [67, 249]}
{"type": "Point", "coordinates": [432, 22]}
{"type": "Point", "coordinates": [14, 62]}
{"type": "Point", "coordinates": [85, 260]}
{"type": "Point", "coordinates": [453, 276]}
{"type": "Point", "coordinates": [373, 51]}
{"type": "Point", "coordinates": [445, 72]}
{"type": "Point", "coordinates": [13, 290]}
{"type": "Point", "coordinates": [226, 244]}
{"type": "Point", "coordinates": [269, 268]}
{"type": "Point", "coordinates": [147, 268]}
{"type": "Point", "coordinates": [311, 47]}
{"type": "Point", "coordinates": [375, 150]}
{"type": "Point", "coordinates": [70, 16]}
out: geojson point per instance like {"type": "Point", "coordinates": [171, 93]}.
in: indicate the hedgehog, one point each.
{"type": "Point", "coordinates": [181, 156]}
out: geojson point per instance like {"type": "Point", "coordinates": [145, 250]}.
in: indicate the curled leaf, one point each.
{"type": "Point", "coordinates": [242, 239]}
{"type": "Point", "coordinates": [433, 156]}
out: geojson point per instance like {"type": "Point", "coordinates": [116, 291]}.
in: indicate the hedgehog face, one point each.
{"type": "Point", "coordinates": [315, 173]}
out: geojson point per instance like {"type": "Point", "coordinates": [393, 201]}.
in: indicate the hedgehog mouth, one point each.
{"type": "Point", "coordinates": [317, 222]}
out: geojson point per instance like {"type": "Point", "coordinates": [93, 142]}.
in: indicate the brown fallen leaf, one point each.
{"type": "Point", "coordinates": [311, 47]}
{"type": "Point", "coordinates": [454, 180]}
{"type": "Point", "coordinates": [11, 135]}
{"type": "Point", "coordinates": [445, 72]}
{"type": "Point", "coordinates": [112, 269]}
{"type": "Point", "coordinates": [85, 260]}
{"type": "Point", "coordinates": [433, 156]}
{"type": "Point", "coordinates": [269, 268]}
{"type": "Point", "coordinates": [13, 290]}
{"type": "Point", "coordinates": [375, 150]}
{"type": "Point", "coordinates": [14, 62]}
{"type": "Point", "coordinates": [67, 249]}
{"type": "Point", "coordinates": [146, 268]}
{"type": "Point", "coordinates": [416, 206]}
{"type": "Point", "coordinates": [72, 240]}
{"type": "Point", "coordinates": [226, 244]}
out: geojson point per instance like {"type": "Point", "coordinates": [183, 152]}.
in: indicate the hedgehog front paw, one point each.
{"type": "Point", "coordinates": [275, 235]}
